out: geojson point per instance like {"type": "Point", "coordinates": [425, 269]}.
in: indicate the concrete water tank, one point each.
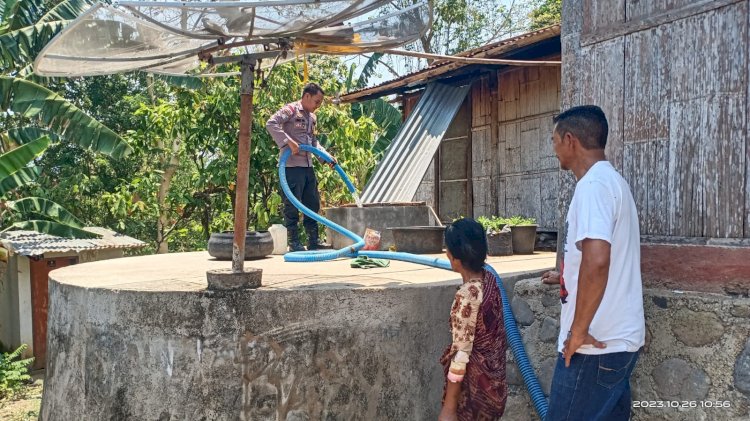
{"type": "Point", "coordinates": [378, 216]}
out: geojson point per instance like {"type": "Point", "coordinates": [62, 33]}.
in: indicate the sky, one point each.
{"type": "Point", "coordinates": [383, 74]}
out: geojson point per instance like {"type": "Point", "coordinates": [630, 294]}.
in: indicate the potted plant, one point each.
{"type": "Point", "coordinates": [258, 244]}
{"type": "Point", "coordinates": [499, 241]}
{"type": "Point", "coordinates": [523, 231]}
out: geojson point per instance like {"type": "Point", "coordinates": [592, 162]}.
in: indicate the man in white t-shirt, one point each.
{"type": "Point", "coordinates": [602, 327]}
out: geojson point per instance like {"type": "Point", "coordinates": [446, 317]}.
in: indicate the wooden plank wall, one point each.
{"type": "Point", "coordinates": [454, 172]}
{"type": "Point", "coordinates": [513, 169]}
{"type": "Point", "coordinates": [527, 169]}
{"type": "Point", "coordinates": [426, 190]}
{"type": "Point", "coordinates": [674, 84]}
{"type": "Point", "coordinates": [483, 145]}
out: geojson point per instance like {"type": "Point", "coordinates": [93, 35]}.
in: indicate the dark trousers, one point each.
{"type": "Point", "coordinates": [593, 388]}
{"type": "Point", "coordinates": [304, 186]}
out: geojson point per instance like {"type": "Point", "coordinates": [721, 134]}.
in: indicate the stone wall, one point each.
{"type": "Point", "coordinates": [697, 353]}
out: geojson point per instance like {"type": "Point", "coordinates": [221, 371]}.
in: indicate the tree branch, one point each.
{"type": "Point", "coordinates": [390, 69]}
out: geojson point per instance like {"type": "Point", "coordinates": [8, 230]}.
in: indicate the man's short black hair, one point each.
{"type": "Point", "coordinates": [312, 89]}
{"type": "Point", "coordinates": [586, 122]}
{"type": "Point", "coordinates": [467, 242]}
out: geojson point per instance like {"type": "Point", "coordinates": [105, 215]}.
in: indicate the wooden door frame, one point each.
{"type": "Point", "coordinates": [469, 172]}
{"type": "Point", "coordinates": [40, 303]}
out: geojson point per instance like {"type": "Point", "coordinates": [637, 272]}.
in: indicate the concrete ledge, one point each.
{"type": "Point", "coordinates": [705, 268]}
{"type": "Point", "coordinates": [226, 279]}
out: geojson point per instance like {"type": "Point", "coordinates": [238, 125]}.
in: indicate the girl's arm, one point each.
{"type": "Point", "coordinates": [463, 326]}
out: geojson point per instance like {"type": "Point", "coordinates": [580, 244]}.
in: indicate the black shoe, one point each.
{"type": "Point", "coordinates": [312, 240]}
{"type": "Point", "coordinates": [292, 239]}
{"type": "Point", "coordinates": [296, 246]}
{"type": "Point", "coordinates": [318, 246]}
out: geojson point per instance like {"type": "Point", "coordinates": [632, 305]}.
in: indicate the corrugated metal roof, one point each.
{"type": "Point", "coordinates": [33, 243]}
{"type": "Point", "coordinates": [399, 173]}
{"type": "Point", "coordinates": [439, 67]}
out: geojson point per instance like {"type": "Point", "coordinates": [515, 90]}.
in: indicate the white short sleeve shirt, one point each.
{"type": "Point", "coordinates": [603, 208]}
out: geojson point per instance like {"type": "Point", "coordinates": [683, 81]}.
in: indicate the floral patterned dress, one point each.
{"type": "Point", "coordinates": [476, 357]}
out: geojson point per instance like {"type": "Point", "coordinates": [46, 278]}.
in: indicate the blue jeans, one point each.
{"type": "Point", "coordinates": [594, 387]}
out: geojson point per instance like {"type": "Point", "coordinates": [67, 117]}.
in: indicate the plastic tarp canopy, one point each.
{"type": "Point", "coordinates": [243, 19]}
{"type": "Point", "coordinates": [166, 37]}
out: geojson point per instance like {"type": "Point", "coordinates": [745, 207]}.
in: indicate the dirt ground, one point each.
{"type": "Point", "coordinates": [24, 405]}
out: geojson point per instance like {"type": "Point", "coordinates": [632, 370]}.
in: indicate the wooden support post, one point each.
{"type": "Point", "coordinates": [247, 67]}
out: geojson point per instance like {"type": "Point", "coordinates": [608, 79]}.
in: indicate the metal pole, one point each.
{"type": "Point", "coordinates": [247, 67]}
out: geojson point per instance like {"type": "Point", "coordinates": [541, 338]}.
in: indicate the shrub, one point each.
{"type": "Point", "coordinates": [515, 221]}
{"type": "Point", "coordinates": [492, 224]}
{"type": "Point", "coordinates": [14, 371]}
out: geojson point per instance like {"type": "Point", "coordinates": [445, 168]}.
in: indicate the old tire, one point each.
{"type": "Point", "coordinates": [258, 244]}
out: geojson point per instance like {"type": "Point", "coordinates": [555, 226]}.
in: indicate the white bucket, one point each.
{"type": "Point", "coordinates": [278, 233]}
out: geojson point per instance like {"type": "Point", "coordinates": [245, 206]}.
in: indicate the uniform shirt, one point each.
{"type": "Point", "coordinates": [603, 209]}
{"type": "Point", "coordinates": [293, 122]}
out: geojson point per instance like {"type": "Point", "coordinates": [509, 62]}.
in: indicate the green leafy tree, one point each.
{"type": "Point", "coordinates": [462, 24]}
{"type": "Point", "coordinates": [545, 13]}
{"type": "Point", "coordinates": [185, 145]}
{"type": "Point", "coordinates": [98, 189]}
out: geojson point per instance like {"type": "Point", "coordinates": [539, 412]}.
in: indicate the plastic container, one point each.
{"type": "Point", "coordinates": [278, 233]}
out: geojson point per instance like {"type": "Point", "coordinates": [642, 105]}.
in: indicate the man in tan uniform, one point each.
{"type": "Point", "coordinates": [294, 125]}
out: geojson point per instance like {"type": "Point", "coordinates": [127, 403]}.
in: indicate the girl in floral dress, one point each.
{"type": "Point", "coordinates": [475, 387]}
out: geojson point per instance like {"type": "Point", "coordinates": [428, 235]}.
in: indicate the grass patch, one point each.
{"type": "Point", "coordinates": [24, 404]}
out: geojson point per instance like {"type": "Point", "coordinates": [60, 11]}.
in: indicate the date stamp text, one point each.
{"type": "Point", "coordinates": [682, 404]}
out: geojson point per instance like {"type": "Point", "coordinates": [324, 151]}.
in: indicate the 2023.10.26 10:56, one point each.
{"type": "Point", "coordinates": [682, 404]}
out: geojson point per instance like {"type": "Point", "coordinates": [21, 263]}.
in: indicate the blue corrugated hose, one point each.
{"type": "Point", "coordinates": [511, 329]}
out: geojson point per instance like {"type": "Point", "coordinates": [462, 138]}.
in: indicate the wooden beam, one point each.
{"type": "Point", "coordinates": [472, 60]}
{"type": "Point", "coordinates": [505, 47]}
{"type": "Point", "coordinates": [629, 27]}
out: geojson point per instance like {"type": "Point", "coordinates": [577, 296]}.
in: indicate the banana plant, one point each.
{"type": "Point", "coordinates": [16, 171]}
{"type": "Point", "coordinates": [58, 120]}
{"type": "Point", "coordinates": [26, 26]}
{"type": "Point", "coordinates": [385, 115]}
{"type": "Point", "coordinates": [51, 111]}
